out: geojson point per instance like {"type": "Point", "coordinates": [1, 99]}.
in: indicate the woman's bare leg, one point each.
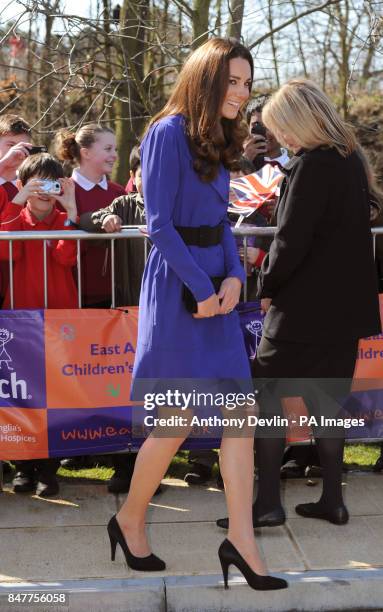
{"type": "Point", "coordinates": [237, 468]}
{"type": "Point", "coordinates": [151, 464]}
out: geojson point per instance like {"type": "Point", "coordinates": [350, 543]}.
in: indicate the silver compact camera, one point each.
{"type": "Point", "coordinates": [49, 186]}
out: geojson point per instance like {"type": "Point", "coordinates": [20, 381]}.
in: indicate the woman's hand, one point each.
{"type": "Point", "coordinates": [229, 293]}
{"type": "Point", "coordinates": [208, 308]}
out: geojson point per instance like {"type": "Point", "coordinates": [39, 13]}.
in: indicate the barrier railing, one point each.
{"type": "Point", "coordinates": [131, 232]}
{"type": "Point", "coordinates": [127, 232]}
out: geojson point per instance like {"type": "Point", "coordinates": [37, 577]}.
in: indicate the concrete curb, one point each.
{"type": "Point", "coordinates": [311, 591]}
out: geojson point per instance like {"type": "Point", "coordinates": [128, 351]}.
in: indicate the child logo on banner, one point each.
{"type": "Point", "coordinates": [251, 320]}
{"type": "Point", "coordinates": [5, 337]}
{"type": "Point", "coordinates": [255, 328]}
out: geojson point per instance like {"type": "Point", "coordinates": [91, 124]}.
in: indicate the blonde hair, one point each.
{"type": "Point", "coordinates": [301, 110]}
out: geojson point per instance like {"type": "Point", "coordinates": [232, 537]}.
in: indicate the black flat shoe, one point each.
{"type": "Point", "coordinates": [338, 516]}
{"type": "Point", "coordinates": [270, 519]}
{"type": "Point", "coordinates": [151, 563]}
{"type": "Point", "coordinates": [48, 488]}
{"type": "Point", "coordinates": [229, 555]}
{"type": "Point", "coordinates": [23, 482]}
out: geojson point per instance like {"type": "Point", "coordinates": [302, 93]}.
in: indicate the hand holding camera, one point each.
{"type": "Point", "coordinates": [67, 197]}
{"type": "Point", "coordinates": [255, 146]}
{"type": "Point", "coordinates": [34, 187]}
{"type": "Point", "coordinates": [14, 156]}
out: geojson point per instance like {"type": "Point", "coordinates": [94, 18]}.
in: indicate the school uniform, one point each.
{"type": "Point", "coordinates": [4, 271]}
{"type": "Point", "coordinates": [129, 254]}
{"type": "Point", "coordinates": [95, 260]}
{"type": "Point", "coordinates": [10, 187]}
{"type": "Point", "coordinates": [28, 266]}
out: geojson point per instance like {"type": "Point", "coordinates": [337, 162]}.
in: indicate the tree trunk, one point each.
{"type": "Point", "coordinates": [272, 41]}
{"type": "Point", "coordinates": [236, 10]}
{"type": "Point", "coordinates": [200, 22]}
{"type": "Point", "coordinates": [300, 43]}
{"type": "Point", "coordinates": [108, 59]}
{"type": "Point", "coordinates": [132, 103]}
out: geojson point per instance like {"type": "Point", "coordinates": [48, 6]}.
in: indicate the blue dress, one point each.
{"type": "Point", "coordinates": [171, 343]}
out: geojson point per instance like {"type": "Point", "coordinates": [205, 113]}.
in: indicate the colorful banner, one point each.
{"type": "Point", "coordinates": [65, 380]}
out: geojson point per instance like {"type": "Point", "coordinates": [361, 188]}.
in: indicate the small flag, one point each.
{"type": "Point", "coordinates": [250, 192]}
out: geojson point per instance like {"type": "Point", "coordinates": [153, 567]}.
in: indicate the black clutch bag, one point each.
{"type": "Point", "coordinates": [189, 299]}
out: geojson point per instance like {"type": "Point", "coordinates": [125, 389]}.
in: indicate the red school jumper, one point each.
{"type": "Point", "coordinates": [95, 261]}
{"type": "Point", "coordinates": [10, 189]}
{"type": "Point", "coordinates": [3, 199]}
{"type": "Point", "coordinates": [28, 267]}
{"type": "Point", "coordinates": [4, 272]}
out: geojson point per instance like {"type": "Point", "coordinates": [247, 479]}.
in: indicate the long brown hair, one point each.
{"type": "Point", "coordinates": [198, 95]}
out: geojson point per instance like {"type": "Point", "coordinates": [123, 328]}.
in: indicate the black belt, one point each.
{"type": "Point", "coordinates": [202, 236]}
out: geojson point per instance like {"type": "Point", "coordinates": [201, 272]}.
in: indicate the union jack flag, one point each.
{"type": "Point", "coordinates": [248, 193]}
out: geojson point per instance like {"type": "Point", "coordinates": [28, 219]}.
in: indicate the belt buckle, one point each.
{"type": "Point", "coordinates": [203, 238]}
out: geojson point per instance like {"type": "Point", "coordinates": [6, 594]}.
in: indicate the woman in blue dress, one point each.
{"type": "Point", "coordinates": [186, 156]}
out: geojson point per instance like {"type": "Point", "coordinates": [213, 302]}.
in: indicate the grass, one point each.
{"type": "Point", "coordinates": [178, 468]}
{"type": "Point", "coordinates": [361, 455]}
{"type": "Point", "coordinates": [356, 456]}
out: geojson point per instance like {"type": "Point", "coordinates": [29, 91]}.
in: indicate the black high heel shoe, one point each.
{"type": "Point", "coordinates": [229, 555]}
{"type": "Point", "coordinates": [151, 563]}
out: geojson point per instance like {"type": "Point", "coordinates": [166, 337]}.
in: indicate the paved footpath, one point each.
{"type": "Point", "coordinates": [61, 545]}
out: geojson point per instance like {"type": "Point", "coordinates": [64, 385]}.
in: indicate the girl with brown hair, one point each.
{"type": "Point", "coordinates": [92, 149]}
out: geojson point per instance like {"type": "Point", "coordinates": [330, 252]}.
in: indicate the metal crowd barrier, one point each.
{"type": "Point", "coordinates": [136, 232]}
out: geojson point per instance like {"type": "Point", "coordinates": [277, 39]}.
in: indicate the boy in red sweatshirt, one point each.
{"type": "Point", "coordinates": [15, 142]}
{"type": "Point", "coordinates": [33, 210]}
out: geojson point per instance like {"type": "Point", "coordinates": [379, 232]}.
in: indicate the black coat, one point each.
{"type": "Point", "coordinates": [129, 252]}
{"type": "Point", "coordinates": [320, 271]}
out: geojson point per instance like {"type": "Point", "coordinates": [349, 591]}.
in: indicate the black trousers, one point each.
{"type": "Point", "coordinates": [321, 374]}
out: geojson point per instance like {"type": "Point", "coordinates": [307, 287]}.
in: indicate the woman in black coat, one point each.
{"type": "Point", "coordinates": [318, 287]}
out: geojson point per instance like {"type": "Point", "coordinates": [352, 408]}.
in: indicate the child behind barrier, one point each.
{"type": "Point", "coordinates": [130, 256]}
{"type": "Point", "coordinates": [14, 148]}
{"type": "Point", "coordinates": [93, 149]}
{"type": "Point", "coordinates": [32, 209]}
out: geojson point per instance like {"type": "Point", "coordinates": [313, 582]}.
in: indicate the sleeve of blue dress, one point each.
{"type": "Point", "coordinates": [232, 262]}
{"type": "Point", "coordinates": [161, 167]}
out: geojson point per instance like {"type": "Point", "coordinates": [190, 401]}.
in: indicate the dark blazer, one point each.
{"type": "Point", "coordinates": [320, 271]}
{"type": "Point", "coordinates": [129, 253]}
